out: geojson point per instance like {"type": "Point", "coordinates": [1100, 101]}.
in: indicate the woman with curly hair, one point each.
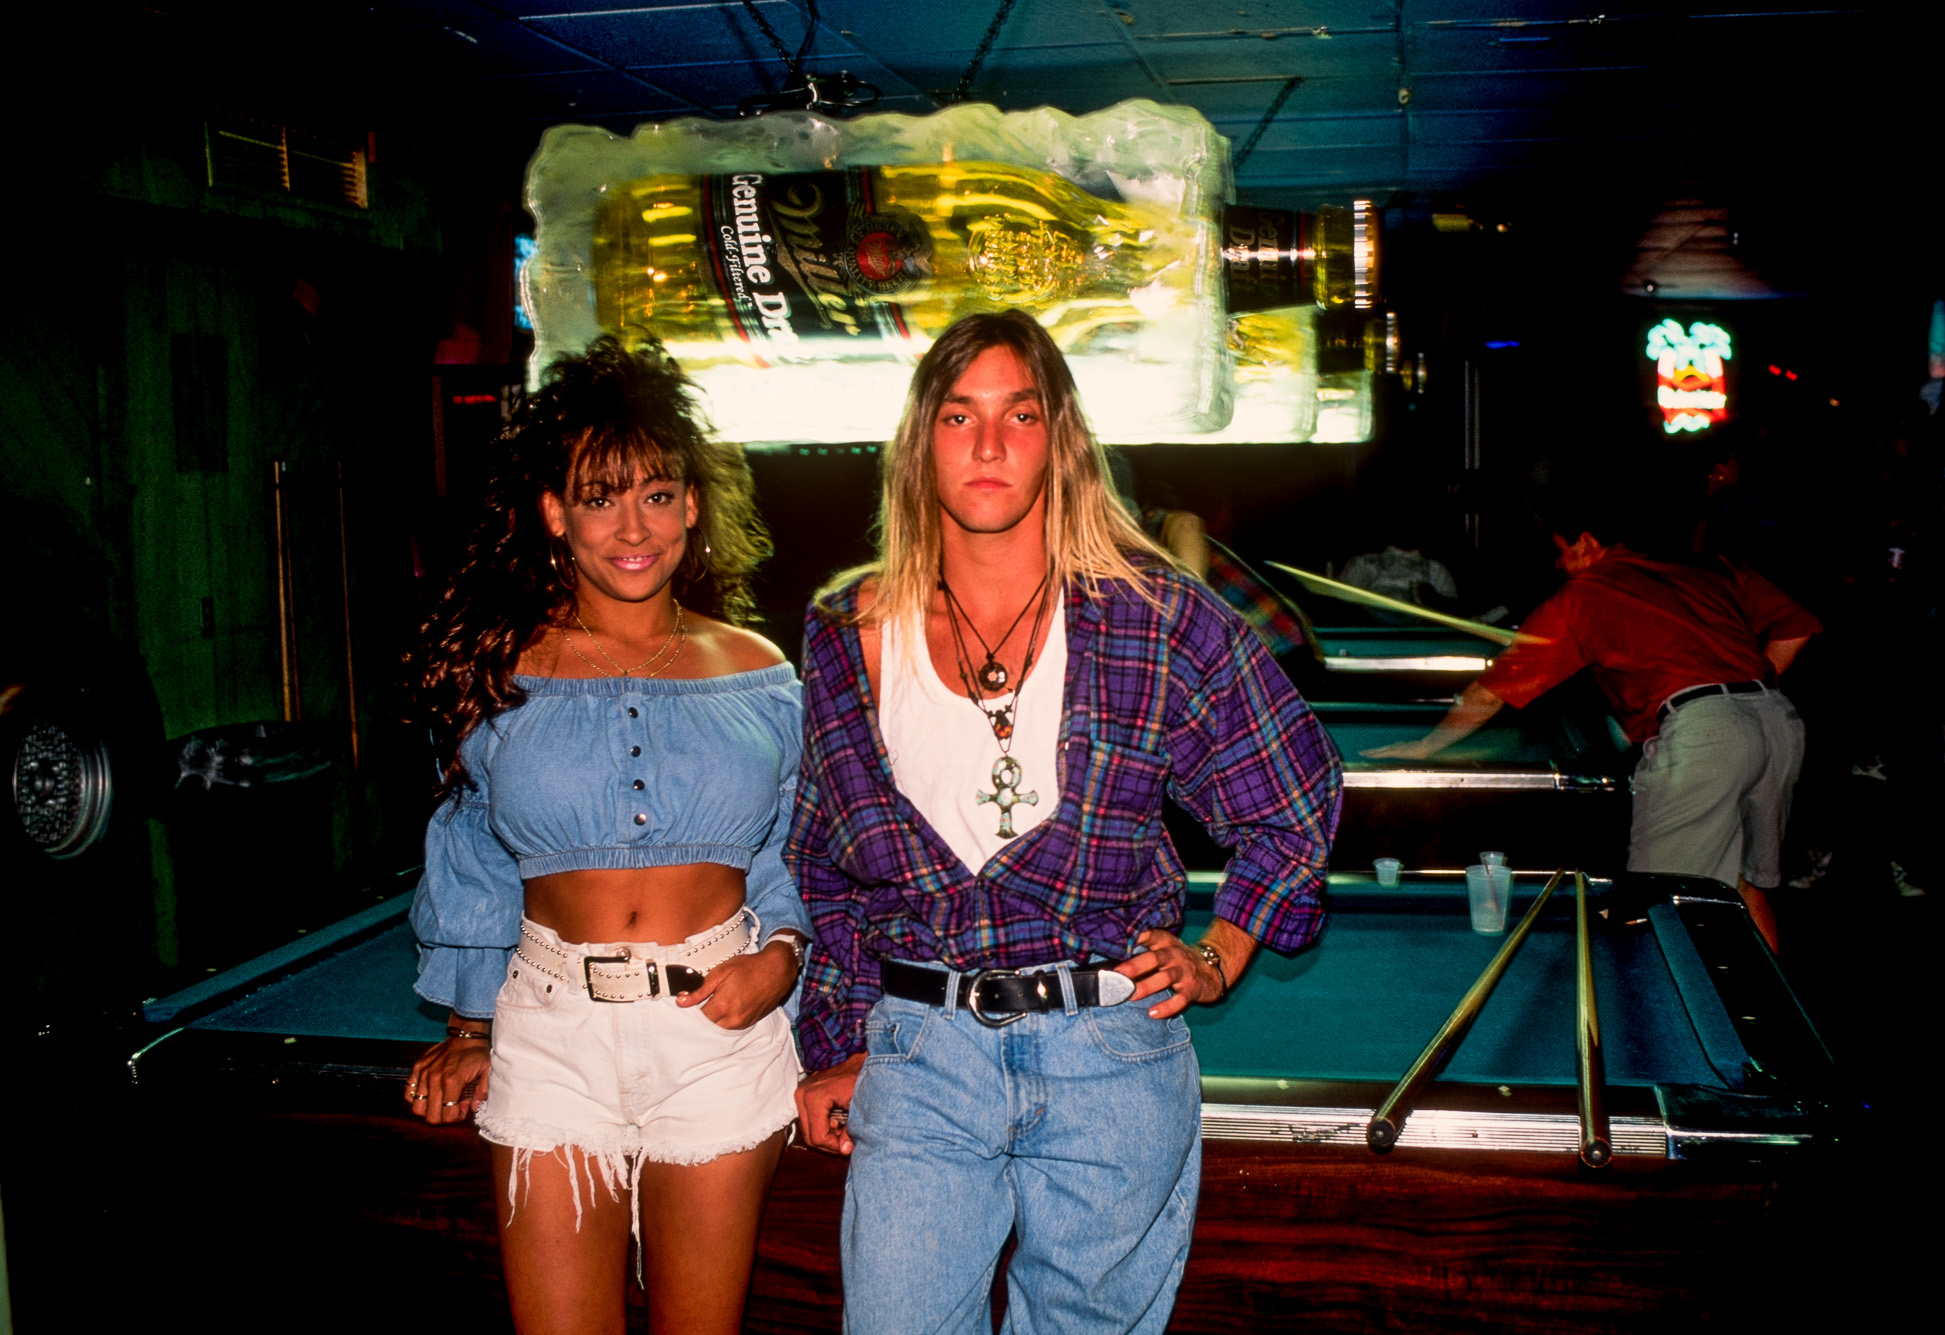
{"type": "Point", "coordinates": [604, 908]}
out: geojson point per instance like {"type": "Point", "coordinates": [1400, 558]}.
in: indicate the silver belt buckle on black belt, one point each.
{"type": "Point", "coordinates": [972, 999]}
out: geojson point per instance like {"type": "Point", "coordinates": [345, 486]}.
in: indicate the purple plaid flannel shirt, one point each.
{"type": "Point", "coordinates": [1182, 697]}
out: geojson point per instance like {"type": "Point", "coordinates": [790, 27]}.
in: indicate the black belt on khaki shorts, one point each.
{"type": "Point", "coordinates": [998, 997]}
{"type": "Point", "coordinates": [1680, 698]}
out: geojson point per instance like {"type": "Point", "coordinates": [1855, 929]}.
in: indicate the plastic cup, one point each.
{"type": "Point", "coordinates": [1488, 891]}
{"type": "Point", "coordinates": [1493, 859]}
{"type": "Point", "coordinates": [1387, 869]}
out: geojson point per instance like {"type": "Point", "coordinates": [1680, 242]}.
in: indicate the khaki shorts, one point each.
{"type": "Point", "coordinates": [1712, 792]}
{"type": "Point", "coordinates": [628, 1082]}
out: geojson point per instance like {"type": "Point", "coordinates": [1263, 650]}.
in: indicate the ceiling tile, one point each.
{"type": "Point", "coordinates": [489, 49]}
{"type": "Point", "coordinates": [1368, 56]}
{"type": "Point", "coordinates": [1330, 167]}
{"type": "Point", "coordinates": [690, 34]}
{"type": "Point", "coordinates": [953, 30]}
{"type": "Point", "coordinates": [1074, 60]}
{"type": "Point", "coordinates": [576, 96]}
{"type": "Point", "coordinates": [726, 83]}
{"type": "Point", "coordinates": [1240, 103]}
{"type": "Point", "coordinates": [1177, 17]}
{"type": "Point", "coordinates": [1623, 90]}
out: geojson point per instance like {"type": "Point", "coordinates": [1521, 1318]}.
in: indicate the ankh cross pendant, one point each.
{"type": "Point", "coordinates": [1006, 794]}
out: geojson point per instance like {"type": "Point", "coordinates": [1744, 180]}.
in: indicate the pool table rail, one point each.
{"type": "Point", "coordinates": [1429, 774]}
{"type": "Point", "coordinates": [1472, 664]}
{"type": "Point", "coordinates": [1779, 1089]}
{"type": "Point", "coordinates": [1452, 1116]}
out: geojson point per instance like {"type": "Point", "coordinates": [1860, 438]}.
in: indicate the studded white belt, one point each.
{"type": "Point", "coordinates": [635, 973]}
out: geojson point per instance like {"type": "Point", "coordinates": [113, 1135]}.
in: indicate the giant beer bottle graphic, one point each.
{"type": "Point", "coordinates": [874, 263]}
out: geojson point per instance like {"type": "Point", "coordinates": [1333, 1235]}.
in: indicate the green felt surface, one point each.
{"type": "Point", "coordinates": [1513, 737]}
{"type": "Point", "coordinates": [1361, 1002]}
{"type": "Point", "coordinates": [363, 991]}
{"type": "Point", "coordinates": [1358, 1004]}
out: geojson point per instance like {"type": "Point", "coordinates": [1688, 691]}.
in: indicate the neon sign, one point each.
{"type": "Point", "coordinates": [1691, 387]}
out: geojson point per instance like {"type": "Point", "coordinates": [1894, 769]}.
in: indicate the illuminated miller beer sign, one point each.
{"type": "Point", "coordinates": [804, 255]}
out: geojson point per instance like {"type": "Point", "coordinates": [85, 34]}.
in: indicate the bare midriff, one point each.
{"type": "Point", "coordinates": [663, 905]}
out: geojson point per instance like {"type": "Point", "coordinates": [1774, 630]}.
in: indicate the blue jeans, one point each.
{"type": "Point", "coordinates": [1080, 1130]}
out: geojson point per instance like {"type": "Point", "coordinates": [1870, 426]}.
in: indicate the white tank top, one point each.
{"type": "Point", "coordinates": [944, 754]}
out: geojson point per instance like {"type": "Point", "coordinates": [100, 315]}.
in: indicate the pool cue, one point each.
{"type": "Point", "coordinates": [1351, 593]}
{"type": "Point", "coordinates": [1304, 626]}
{"type": "Point", "coordinates": [1596, 1145]}
{"type": "Point", "coordinates": [1389, 1120]}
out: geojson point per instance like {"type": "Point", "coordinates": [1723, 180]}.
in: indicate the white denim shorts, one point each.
{"type": "Point", "coordinates": [628, 1082]}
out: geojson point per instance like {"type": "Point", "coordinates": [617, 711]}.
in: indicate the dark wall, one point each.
{"type": "Point", "coordinates": [168, 338]}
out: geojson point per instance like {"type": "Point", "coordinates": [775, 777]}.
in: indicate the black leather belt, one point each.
{"type": "Point", "coordinates": [997, 997]}
{"type": "Point", "coordinates": [1680, 698]}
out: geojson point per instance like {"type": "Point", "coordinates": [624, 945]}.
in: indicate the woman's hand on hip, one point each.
{"type": "Point", "coordinates": [449, 1082]}
{"type": "Point", "coordinates": [745, 988]}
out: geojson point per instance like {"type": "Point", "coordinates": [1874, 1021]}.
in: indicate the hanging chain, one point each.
{"type": "Point", "coordinates": [979, 57]}
{"type": "Point", "coordinates": [839, 94]}
{"type": "Point", "coordinates": [1276, 105]}
{"type": "Point", "coordinates": [795, 64]}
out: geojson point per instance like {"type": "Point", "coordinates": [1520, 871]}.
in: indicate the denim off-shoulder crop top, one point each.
{"type": "Point", "coordinates": [603, 773]}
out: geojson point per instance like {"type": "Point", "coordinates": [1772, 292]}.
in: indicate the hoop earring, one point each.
{"type": "Point", "coordinates": [554, 550]}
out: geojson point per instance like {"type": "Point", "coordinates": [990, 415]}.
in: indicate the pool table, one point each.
{"type": "Point", "coordinates": [277, 1082]}
{"type": "Point", "coordinates": [1546, 784]}
{"type": "Point", "coordinates": [1450, 657]}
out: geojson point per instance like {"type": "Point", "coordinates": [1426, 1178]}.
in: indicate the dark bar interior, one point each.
{"type": "Point", "coordinates": [271, 312]}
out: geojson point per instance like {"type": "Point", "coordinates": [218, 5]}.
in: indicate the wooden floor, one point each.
{"type": "Point", "coordinates": [361, 1214]}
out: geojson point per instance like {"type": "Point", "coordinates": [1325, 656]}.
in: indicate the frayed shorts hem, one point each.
{"type": "Point", "coordinates": [526, 1136]}
{"type": "Point", "coordinates": [617, 1161]}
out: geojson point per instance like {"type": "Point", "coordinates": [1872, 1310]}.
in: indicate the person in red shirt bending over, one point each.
{"type": "Point", "coordinates": [1688, 655]}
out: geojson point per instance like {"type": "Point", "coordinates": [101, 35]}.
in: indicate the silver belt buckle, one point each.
{"type": "Point", "coordinates": [972, 999]}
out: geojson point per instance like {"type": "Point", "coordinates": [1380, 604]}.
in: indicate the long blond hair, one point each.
{"type": "Point", "coordinates": [1090, 537]}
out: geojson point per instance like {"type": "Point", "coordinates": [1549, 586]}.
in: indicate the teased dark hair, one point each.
{"type": "Point", "coordinates": [601, 421]}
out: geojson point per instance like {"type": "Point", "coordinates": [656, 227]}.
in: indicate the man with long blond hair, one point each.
{"type": "Point", "coordinates": [992, 1007]}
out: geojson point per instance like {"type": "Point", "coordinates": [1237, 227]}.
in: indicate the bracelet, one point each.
{"type": "Point", "coordinates": [796, 946]}
{"type": "Point", "coordinates": [1209, 953]}
{"type": "Point", "coordinates": [484, 1035]}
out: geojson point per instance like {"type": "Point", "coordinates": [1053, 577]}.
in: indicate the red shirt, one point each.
{"type": "Point", "coordinates": [1649, 629]}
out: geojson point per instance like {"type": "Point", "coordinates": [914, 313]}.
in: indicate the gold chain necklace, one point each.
{"type": "Point", "coordinates": [655, 661]}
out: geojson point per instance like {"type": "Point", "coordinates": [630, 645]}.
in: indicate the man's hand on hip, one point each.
{"type": "Point", "coordinates": [824, 1105]}
{"type": "Point", "coordinates": [1167, 961]}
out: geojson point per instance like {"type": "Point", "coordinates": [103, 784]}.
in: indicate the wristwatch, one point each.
{"type": "Point", "coordinates": [796, 944]}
